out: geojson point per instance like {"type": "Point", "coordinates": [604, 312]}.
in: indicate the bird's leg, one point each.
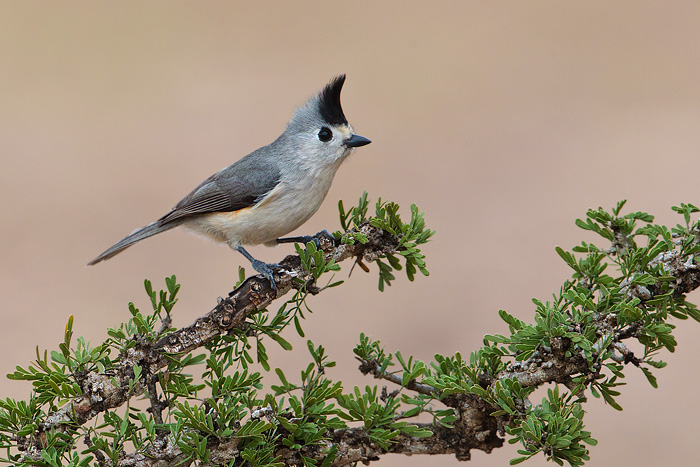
{"type": "Point", "coordinates": [263, 268]}
{"type": "Point", "coordinates": [309, 238]}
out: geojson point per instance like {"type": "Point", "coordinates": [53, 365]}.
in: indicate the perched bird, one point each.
{"type": "Point", "coordinates": [272, 190]}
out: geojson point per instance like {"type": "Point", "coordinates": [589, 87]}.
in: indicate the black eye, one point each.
{"type": "Point", "coordinates": [325, 134]}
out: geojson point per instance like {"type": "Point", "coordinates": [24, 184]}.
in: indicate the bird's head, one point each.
{"type": "Point", "coordinates": [320, 126]}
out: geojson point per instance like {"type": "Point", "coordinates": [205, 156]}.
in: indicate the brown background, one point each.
{"type": "Point", "coordinates": [503, 121]}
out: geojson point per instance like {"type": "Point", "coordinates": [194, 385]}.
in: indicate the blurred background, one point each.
{"type": "Point", "coordinates": [503, 121]}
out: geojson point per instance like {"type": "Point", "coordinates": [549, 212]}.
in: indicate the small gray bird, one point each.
{"type": "Point", "coordinates": [271, 191]}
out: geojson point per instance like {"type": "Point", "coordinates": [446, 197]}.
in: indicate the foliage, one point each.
{"type": "Point", "coordinates": [387, 218]}
{"type": "Point", "coordinates": [583, 325]}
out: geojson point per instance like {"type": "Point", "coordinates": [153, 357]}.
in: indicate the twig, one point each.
{"type": "Point", "coordinates": [373, 367]}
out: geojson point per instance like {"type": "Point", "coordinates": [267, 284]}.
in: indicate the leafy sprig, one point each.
{"type": "Point", "coordinates": [624, 290]}
{"type": "Point", "coordinates": [411, 234]}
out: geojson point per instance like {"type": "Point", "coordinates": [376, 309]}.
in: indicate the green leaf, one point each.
{"type": "Point", "coordinates": [281, 341]}
{"type": "Point", "coordinates": [650, 377]}
{"type": "Point", "coordinates": [518, 460]}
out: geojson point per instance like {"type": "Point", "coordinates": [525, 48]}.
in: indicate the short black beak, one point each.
{"type": "Point", "coordinates": [355, 141]}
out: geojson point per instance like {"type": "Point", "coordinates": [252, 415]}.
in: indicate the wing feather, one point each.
{"type": "Point", "coordinates": [238, 186]}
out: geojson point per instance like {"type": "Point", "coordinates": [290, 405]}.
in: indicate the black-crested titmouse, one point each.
{"type": "Point", "coordinates": [271, 191]}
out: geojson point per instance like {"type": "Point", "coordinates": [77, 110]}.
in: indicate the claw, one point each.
{"type": "Point", "coordinates": [328, 236]}
{"type": "Point", "coordinates": [266, 270]}
{"type": "Point", "coordinates": [263, 268]}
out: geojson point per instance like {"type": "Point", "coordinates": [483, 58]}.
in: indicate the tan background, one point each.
{"type": "Point", "coordinates": [503, 121]}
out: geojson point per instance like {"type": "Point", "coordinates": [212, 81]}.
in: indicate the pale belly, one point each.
{"type": "Point", "coordinates": [281, 212]}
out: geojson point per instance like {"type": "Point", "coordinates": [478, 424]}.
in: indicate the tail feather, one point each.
{"type": "Point", "coordinates": [136, 236]}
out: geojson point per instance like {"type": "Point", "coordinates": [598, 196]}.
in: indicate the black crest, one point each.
{"type": "Point", "coordinates": [329, 102]}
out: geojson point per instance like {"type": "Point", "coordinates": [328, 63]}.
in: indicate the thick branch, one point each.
{"type": "Point", "coordinates": [353, 445]}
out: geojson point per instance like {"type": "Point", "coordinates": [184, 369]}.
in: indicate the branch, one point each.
{"type": "Point", "coordinates": [373, 366]}
{"type": "Point", "coordinates": [483, 410]}
{"type": "Point", "coordinates": [475, 427]}
{"type": "Point", "coordinates": [353, 445]}
{"type": "Point", "coordinates": [101, 392]}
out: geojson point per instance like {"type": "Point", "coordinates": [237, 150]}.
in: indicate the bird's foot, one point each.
{"type": "Point", "coordinates": [324, 234]}
{"type": "Point", "coordinates": [266, 269]}
{"type": "Point", "coordinates": [263, 268]}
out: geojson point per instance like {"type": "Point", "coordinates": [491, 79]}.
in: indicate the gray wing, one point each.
{"type": "Point", "coordinates": [238, 186]}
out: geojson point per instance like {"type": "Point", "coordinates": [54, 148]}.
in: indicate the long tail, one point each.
{"type": "Point", "coordinates": [136, 236]}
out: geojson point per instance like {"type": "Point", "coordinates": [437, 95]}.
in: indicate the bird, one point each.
{"type": "Point", "coordinates": [269, 192]}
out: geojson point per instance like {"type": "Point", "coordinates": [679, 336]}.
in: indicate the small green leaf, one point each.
{"type": "Point", "coordinates": [281, 341]}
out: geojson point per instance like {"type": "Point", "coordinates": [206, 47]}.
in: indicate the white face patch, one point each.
{"type": "Point", "coordinates": [345, 131]}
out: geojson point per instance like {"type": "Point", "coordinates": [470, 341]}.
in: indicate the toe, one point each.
{"type": "Point", "coordinates": [266, 270]}
{"type": "Point", "coordinates": [324, 234]}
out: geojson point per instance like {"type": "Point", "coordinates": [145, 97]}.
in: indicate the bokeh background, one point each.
{"type": "Point", "coordinates": [503, 121]}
